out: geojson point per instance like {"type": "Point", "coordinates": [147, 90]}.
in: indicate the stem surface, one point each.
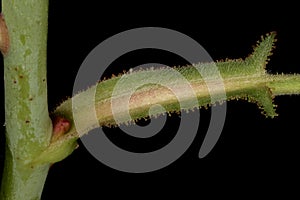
{"type": "Point", "coordinates": [28, 126]}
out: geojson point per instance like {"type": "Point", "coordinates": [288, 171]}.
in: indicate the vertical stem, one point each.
{"type": "Point", "coordinates": [28, 126]}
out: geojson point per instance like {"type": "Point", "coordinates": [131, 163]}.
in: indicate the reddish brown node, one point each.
{"type": "Point", "coordinates": [4, 38]}
{"type": "Point", "coordinates": [61, 126]}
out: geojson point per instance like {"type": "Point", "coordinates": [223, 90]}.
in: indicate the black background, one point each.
{"type": "Point", "coordinates": [254, 155]}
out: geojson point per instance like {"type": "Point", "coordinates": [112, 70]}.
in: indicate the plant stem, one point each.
{"type": "Point", "coordinates": [251, 88]}
{"type": "Point", "coordinates": [128, 98]}
{"type": "Point", "coordinates": [28, 126]}
{"type": "Point", "coordinates": [256, 89]}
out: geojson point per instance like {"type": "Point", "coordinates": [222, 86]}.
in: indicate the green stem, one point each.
{"type": "Point", "coordinates": [257, 89]}
{"type": "Point", "coordinates": [240, 79]}
{"type": "Point", "coordinates": [28, 126]}
{"type": "Point", "coordinates": [251, 88]}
